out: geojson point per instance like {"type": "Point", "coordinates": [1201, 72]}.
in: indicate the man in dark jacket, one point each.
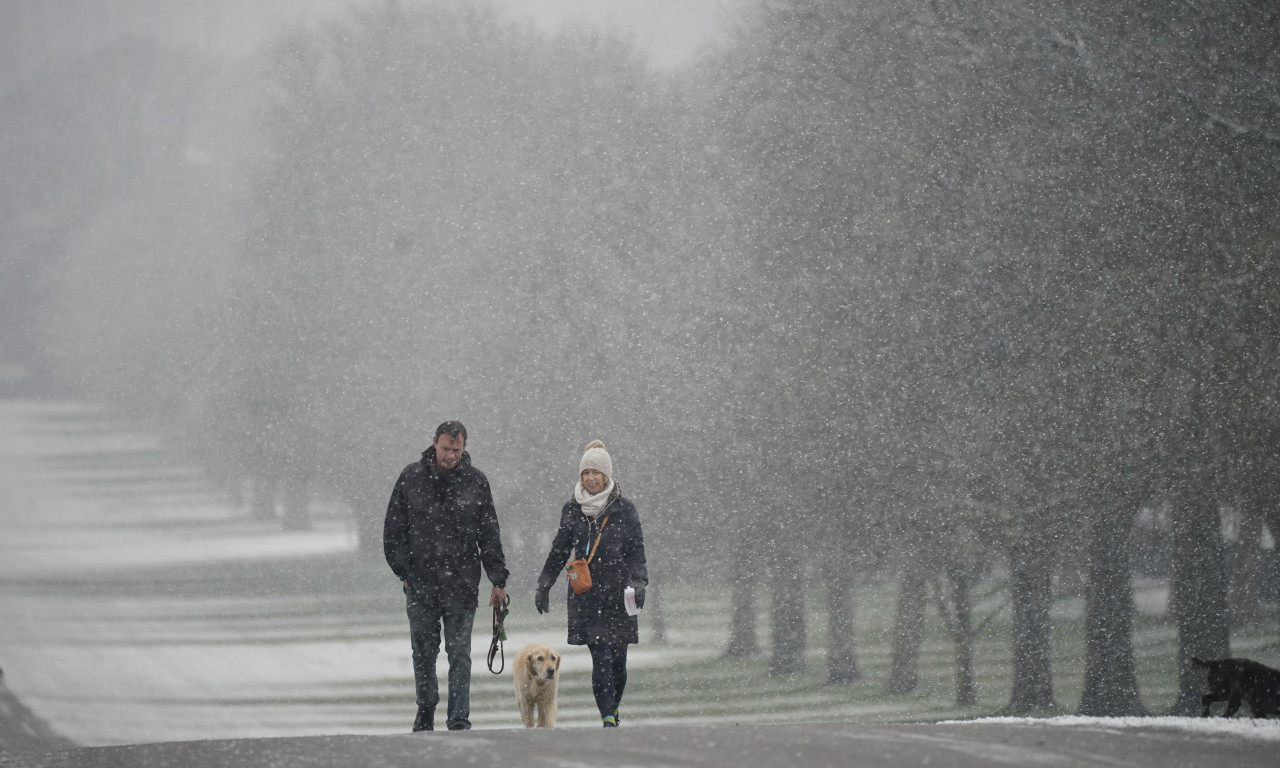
{"type": "Point", "coordinates": [441, 527]}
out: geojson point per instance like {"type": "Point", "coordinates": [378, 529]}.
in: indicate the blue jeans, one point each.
{"type": "Point", "coordinates": [425, 622]}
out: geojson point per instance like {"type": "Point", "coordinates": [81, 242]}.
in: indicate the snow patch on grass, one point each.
{"type": "Point", "coordinates": [1267, 730]}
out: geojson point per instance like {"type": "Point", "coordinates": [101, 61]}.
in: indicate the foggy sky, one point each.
{"type": "Point", "coordinates": [33, 32]}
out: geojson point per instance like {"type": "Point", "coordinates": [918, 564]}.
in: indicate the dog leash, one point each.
{"type": "Point", "coordinates": [499, 636]}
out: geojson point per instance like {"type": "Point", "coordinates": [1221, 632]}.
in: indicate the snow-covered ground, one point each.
{"type": "Point", "coordinates": [85, 503]}
{"type": "Point", "coordinates": [81, 496]}
{"type": "Point", "coordinates": [1267, 730]}
{"type": "Point", "coordinates": [108, 667]}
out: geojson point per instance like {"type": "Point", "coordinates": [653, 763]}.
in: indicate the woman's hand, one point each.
{"type": "Point", "coordinates": [542, 599]}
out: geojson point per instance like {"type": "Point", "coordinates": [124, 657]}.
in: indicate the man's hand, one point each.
{"type": "Point", "coordinates": [542, 599]}
{"type": "Point", "coordinates": [497, 596]}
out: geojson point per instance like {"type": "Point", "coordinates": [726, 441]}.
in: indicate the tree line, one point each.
{"type": "Point", "coordinates": [889, 290]}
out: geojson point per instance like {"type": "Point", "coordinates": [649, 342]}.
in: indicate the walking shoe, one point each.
{"type": "Point", "coordinates": [426, 719]}
{"type": "Point", "coordinates": [459, 725]}
{"type": "Point", "coordinates": [609, 721]}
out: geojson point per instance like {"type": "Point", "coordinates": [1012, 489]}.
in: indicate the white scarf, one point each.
{"type": "Point", "coordinates": [592, 505]}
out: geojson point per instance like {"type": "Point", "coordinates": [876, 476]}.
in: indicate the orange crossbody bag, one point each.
{"type": "Point", "coordinates": [577, 571]}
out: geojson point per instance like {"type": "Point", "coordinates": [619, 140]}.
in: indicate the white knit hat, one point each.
{"type": "Point", "coordinates": [596, 457]}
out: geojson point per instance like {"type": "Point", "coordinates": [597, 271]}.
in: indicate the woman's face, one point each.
{"type": "Point", "coordinates": [594, 480]}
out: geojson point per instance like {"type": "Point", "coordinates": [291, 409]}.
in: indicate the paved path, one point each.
{"type": "Point", "coordinates": [21, 730]}
{"type": "Point", "coordinates": [813, 746]}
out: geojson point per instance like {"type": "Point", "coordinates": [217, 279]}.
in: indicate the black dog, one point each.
{"type": "Point", "coordinates": [1242, 680]}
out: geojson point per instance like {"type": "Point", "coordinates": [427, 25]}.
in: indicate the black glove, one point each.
{"type": "Point", "coordinates": [639, 596]}
{"type": "Point", "coordinates": [542, 599]}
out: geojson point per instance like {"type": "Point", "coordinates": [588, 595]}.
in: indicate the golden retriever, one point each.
{"type": "Point", "coordinates": [535, 672]}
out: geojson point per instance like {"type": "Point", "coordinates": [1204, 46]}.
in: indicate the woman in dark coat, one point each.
{"type": "Point", "coordinates": [598, 618]}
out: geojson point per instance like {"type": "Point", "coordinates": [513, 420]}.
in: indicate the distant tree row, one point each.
{"type": "Point", "coordinates": [885, 291]}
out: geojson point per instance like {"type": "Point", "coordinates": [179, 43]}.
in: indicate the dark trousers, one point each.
{"type": "Point", "coordinates": [425, 623]}
{"type": "Point", "coordinates": [608, 675]}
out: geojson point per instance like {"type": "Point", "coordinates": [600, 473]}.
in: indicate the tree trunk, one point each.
{"type": "Point", "coordinates": [788, 615]}
{"type": "Point", "coordinates": [262, 505]}
{"type": "Point", "coordinates": [1270, 489]}
{"type": "Point", "coordinates": [1199, 593]}
{"type": "Point", "coordinates": [842, 662]}
{"type": "Point", "coordinates": [654, 605]}
{"type": "Point", "coordinates": [295, 505]}
{"type": "Point", "coordinates": [908, 631]}
{"type": "Point", "coordinates": [1031, 592]}
{"type": "Point", "coordinates": [1246, 571]}
{"type": "Point", "coordinates": [743, 582]}
{"type": "Point", "coordinates": [961, 623]}
{"type": "Point", "coordinates": [368, 527]}
{"type": "Point", "coordinates": [1110, 675]}
{"type": "Point", "coordinates": [369, 512]}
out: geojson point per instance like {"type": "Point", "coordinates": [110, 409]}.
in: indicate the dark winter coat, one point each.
{"type": "Point", "coordinates": [440, 529]}
{"type": "Point", "coordinates": [598, 615]}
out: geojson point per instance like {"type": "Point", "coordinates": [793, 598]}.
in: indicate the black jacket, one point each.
{"type": "Point", "coordinates": [438, 531]}
{"type": "Point", "coordinates": [598, 615]}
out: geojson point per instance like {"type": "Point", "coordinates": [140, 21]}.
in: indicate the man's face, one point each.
{"type": "Point", "coordinates": [449, 451]}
